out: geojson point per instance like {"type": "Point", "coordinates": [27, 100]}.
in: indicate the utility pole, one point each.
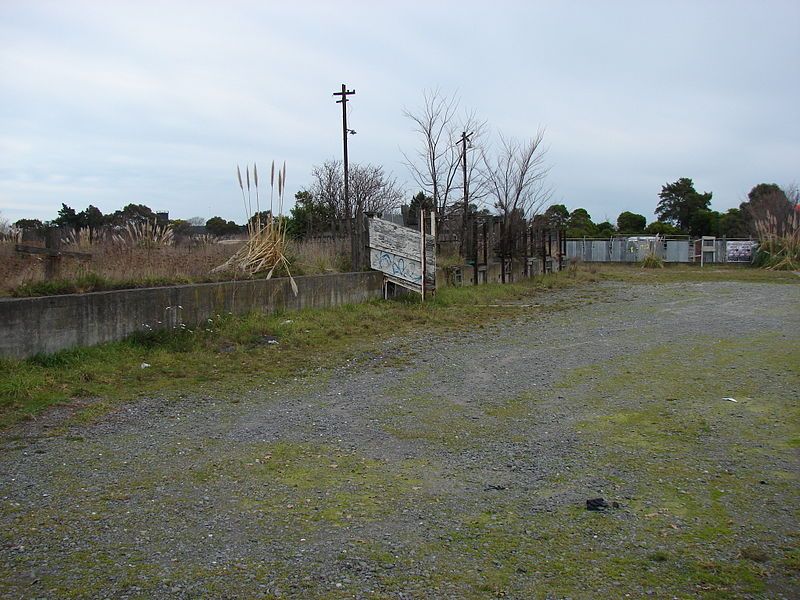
{"type": "Point", "coordinates": [463, 140]}
{"type": "Point", "coordinates": [345, 131]}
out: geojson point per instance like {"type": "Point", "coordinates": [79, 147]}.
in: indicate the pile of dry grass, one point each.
{"type": "Point", "coordinates": [265, 248]}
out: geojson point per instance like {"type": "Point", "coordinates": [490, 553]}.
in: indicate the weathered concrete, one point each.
{"type": "Point", "coordinates": [47, 324]}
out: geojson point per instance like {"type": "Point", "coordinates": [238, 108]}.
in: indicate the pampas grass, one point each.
{"type": "Point", "coordinates": [778, 252]}
{"type": "Point", "coordinates": [146, 234]}
{"type": "Point", "coordinates": [652, 261]}
{"type": "Point", "coordinates": [265, 248]}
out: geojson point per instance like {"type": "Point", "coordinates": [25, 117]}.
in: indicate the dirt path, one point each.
{"type": "Point", "coordinates": [448, 467]}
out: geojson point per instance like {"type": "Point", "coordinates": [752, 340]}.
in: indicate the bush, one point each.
{"type": "Point", "coordinates": [651, 261]}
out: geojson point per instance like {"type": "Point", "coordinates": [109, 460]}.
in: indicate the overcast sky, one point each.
{"type": "Point", "coordinates": [110, 102]}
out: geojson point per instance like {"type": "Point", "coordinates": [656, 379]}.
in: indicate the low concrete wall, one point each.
{"type": "Point", "coordinates": [47, 324]}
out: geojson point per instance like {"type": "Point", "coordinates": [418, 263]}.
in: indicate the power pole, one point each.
{"type": "Point", "coordinates": [463, 140]}
{"type": "Point", "coordinates": [343, 101]}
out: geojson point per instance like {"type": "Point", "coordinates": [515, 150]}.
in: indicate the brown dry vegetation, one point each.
{"type": "Point", "coordinates": [128, 265]}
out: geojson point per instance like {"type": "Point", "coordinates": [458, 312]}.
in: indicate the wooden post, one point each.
{"type": "Point", "coordinates": [52, 264]}
{"type": "Point", "coordinates": [422, 252]}
{"type": "Point", "coordinates": [433, 234]}
{"type": "Point", "coordinates": [485, 250]}
{"type": "Point", "coordinates": [475, 250]}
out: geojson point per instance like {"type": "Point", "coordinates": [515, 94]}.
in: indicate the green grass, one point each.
{"type": "Point", "coordinates": [659, 437]}
{"type": "Point", "coordinates": [674, 273]}
{"type": "Point", "coordinates": [230, 354]}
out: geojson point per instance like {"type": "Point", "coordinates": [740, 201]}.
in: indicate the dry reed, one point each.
{"type": "Point", "coordinates": [779, 252]}
{"type": "Point", "coordinates": [265, 248]}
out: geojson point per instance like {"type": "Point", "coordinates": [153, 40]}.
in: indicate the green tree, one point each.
{"type": "Point", "coordinates": [605, 229]}
{"type": "Point", "coordinates": [418, 202]}
{"type": "Point", "coordinates": [557, 216]}
{"type": "Point", "coordinates": [307, 216]}
{"type": "Point", "coordinates": [259, 218]}
{"type": "Point", "coordinates": [219, 227]}
{"type": "Point", "coordinates": [704, 222]}
{"type": "Point", "coordinates": [733, 224]}
{"type": "Point", "coordinates": [181, 227]}
{"type": "Point", "coordinates": [93, 219]}
{"type": "Point", "coordinates": [630, 222]}
{"type": "Point", "coordinates": [662, 228]}
{"type": "Point", "coordinates": [579, 224]}
{"type": "Point", "coordinates": [33, 224]}
{"type": "Point", "coordinates": [67, 217]}
{"type": "Point", "coordinates": [132, 213]}
{"type": "Point", "coordinates": [679, 202]}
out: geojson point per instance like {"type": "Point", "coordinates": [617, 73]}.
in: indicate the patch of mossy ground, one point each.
{"type": "Point", "coordinates": [289, 495]}
{"type": "Point", "coordinates": [701, 482]}
{"type": "Point", "coordinates": [685, 464]}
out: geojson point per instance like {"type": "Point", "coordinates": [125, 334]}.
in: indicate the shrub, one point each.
{"type": "Point", "coordinates": [651, 261]}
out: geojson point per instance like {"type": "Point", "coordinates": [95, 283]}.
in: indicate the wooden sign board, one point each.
{"type": "Point", "coordinates": [395, 251]}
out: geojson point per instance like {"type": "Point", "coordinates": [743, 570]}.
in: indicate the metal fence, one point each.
{"type": "Point", "coordinates": [681, 250]}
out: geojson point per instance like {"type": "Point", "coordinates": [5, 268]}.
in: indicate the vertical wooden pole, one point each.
{"type": "Point", "coordinates": [433, 234]}
{"type": "Point", "coordinates": [485, 249]}
{"type": "Point", "coordinates": [475, 250]}
{"type": "Point", "coordinates": [422, 251]}
{"type": "Point", "coordinates": [52, 264]}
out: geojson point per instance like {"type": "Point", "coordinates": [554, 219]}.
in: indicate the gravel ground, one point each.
{"type": "Point", "coordinates": [447, 466]}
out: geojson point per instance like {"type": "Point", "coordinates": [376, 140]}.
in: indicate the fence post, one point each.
{"type": "Point", "coordinates": [52, 264]}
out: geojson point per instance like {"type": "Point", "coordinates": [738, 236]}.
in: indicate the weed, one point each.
{"type": "Point", "coordinates": [651, 261]}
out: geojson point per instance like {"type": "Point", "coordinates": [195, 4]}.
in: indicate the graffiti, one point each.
{"type": "Point", "coordinates": [396, 265]}
{"type": "Point", "coordinates": [396, 251]}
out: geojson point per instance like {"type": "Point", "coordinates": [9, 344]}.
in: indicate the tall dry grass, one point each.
{"type": "Point", "coordinates": [117, 263]}
{"type": "Point", "coordinates": [265, 248]}
{"type": "Point", "coordinates": [779, 252]}
{"type": "Point", "coordinates": [191, 260]}
{"type": "Point", "coordinates": [314, 257]}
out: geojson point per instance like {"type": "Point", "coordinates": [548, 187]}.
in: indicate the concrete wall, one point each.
{"type": "Point", "coordinates": [47, 324]}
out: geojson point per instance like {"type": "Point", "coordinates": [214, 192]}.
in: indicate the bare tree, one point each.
{"type": "Point", "coordinates": [516, 180]}
{"type": "Point", "coordinates": [328, 188]}
{"type": "Point", "coordinates": [792, 192]}
{"type": "Point", "coordinates": [372, 190]}
{"type": "Point", "coordinates": [434, 164]}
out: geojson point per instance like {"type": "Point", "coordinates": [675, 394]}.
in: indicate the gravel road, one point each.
{"type": "Point", "coordinates": [446, 466]}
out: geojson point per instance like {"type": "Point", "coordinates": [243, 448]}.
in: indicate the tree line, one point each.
{"type": "Point", "coordinates": [682, 210]}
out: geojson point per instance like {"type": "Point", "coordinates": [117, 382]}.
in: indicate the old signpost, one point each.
{"type": "Point", "coordinates": [52, 252]}
{"type": "Point", "coordinates": [406, 257]}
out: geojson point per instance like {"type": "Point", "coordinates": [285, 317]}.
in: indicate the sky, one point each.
{"type": "Point", "coordinates": [112, 102]}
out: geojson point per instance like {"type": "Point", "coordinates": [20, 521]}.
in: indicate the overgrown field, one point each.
{"type": "Point", "coordinates": [121, 264]}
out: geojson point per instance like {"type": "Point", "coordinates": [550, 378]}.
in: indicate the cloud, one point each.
{"type": "Point", "coordinates": [157, 102]}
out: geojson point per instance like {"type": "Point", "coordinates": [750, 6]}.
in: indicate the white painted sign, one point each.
{"type": "Point", "coordinates": [740, 251]}
{"type": "Point", "coordinates": [395, 251]}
